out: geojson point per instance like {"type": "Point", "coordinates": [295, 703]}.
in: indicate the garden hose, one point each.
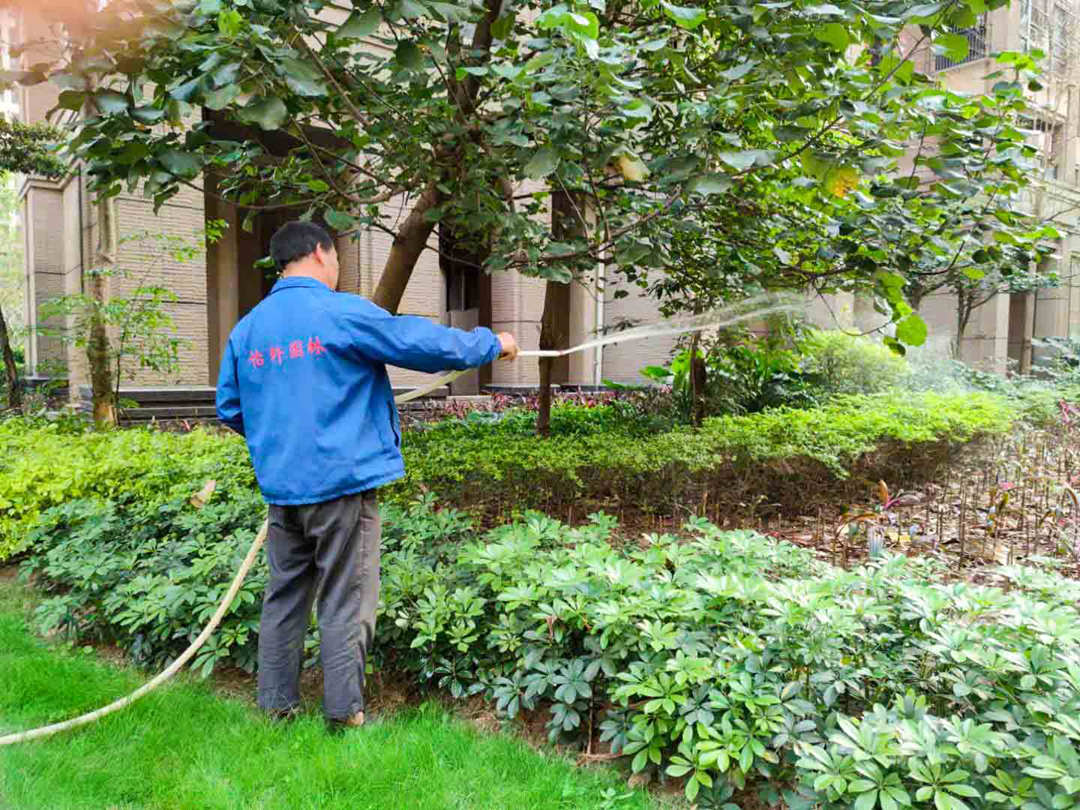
{"type": "Point", "coordinates": [750, 309]}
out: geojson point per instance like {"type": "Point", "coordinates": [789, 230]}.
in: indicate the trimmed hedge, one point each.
{"type": "Point", "coordinates": [783, 455]}
{"type": "Point", "coordinates": [494, 464]}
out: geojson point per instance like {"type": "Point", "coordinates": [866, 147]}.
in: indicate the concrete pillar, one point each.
{"type": "Point", "coordinates": [1051, 317]}
{"type": "Point", "coordinates": [43, 210]}
{"type": "Point", "coordinates": [986, 341]}
{"type": "Point", "coordinates": [1021, 321]}
{"type": "Point", "coordinates": [583, 312]}
{"type": "Point", "coordinates": [222, 291]}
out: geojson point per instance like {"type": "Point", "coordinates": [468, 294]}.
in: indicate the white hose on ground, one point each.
{"type": "Point", "coordinates": [751, 309]}
{"type": "Point", "coordinates": [164, 675]}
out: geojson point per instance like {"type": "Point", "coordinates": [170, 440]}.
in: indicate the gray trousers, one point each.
{"type": "Point", "coordinates": [332, 546]}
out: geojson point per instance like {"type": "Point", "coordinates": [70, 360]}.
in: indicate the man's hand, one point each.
{"type": "Point", "coordinates": [509, 346]}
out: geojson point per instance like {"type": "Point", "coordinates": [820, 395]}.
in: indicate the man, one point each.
{"type": "Point", "coordinates": [304, 379]}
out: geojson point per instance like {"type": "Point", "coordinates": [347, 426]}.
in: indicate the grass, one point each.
{"type": "Point", "coordinates": [184, 747]}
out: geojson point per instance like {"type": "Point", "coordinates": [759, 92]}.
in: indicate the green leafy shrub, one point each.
{"type": "Point", "coordinates": [783, 454]}
{"type": "Point", "coordinates": [844, 364]}
{"type": "Point", "coordinates": [740, 379]}
{"type": "Point", "coordinates": [44, 464]}
{"type": "Point", "coordinates": [495, 464]}
{"type": "Point", "coordinates": [726, 660]}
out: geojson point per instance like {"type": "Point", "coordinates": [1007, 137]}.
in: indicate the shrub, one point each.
{"type": "Point", "coordinates": [740, 379]}
{"type": "Point", "coordinates": [495, 464]}
{"type": "Point", "coordinates": [44, 464]}
{"type": "Point", "coordinates": [783, 455]}
{"type": "Point", "coordinates": [844, 364]}
{"type": "Point", "coordinates": [726, 660]}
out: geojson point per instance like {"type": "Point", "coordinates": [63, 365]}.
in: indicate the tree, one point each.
{"type": "Point", "coordinates": [658, 120]}
{"type": "Point", "coordinates": [24, 149]}
{"type": "Point", "coordinates": [123, 333]}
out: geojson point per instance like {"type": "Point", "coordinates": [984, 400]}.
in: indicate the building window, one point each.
{"type": "Point", "coordinates": [976, 37]}
{"type": "Point", "coordinates": [1049, 138]}
{"type": "Point", "coordinates": [1048, 26]}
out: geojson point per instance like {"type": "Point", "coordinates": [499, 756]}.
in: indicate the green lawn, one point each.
{"type": "Point", "coordinates": [184, 747]}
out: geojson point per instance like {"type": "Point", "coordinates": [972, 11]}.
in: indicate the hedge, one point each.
{"type": "Point", "coordinates": [496, 467]}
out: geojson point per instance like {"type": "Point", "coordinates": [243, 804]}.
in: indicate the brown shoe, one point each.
{"type": "Point", "coordinates": [338, 726]}
{"type": "Point", "coordinates": [356, 720]}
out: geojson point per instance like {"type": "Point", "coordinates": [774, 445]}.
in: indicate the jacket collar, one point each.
{"type": "Point", "coordinates": [297, 281]}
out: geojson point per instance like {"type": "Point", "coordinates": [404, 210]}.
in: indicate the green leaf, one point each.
{"type": "Point", "coordinates": [740, 161]}
{"type": "Point", "coordinates": [737, 72]}
{"type": "Point", "coordinates": [359, 26]}
{"type": "Point", "coordinates": [912, 330]}
{"type": "Point", "coordinates": [340, 221]}
{"type": "Point", "coordinates": [542, 163]}
{"type": "Point", "coordinates": [229, 23]}
{"type": "Point", "coordinates": [954, 46]}
{"type": "Point", "coordinates": [302, 78]}
{"type": "Point", "coordinates": [181, 164]}
{"type": "Point", "coordinates": [71, 100]}
{"type": "Point", "coordinates": [409, 55]}
{"type": "Point", "coordinates": [824, 10]}
{"type": "Point", "coordinates": [502, 27]}
{"type": "Point", "coordinates": [711, 184]}
{"type": "Point", "coordinates": [221, 98]}
{"type": "Point", "coordinates": [185, 91]}
{"type": "Point", "coordinates": [148, 115]}
{"type": "Point", "coordinates": [866, 801]}
{"type": "Point", "coordinates": [637, 109]}
{"type": "Point", "coordinates": [685, 17]}
{"type": "Point", "coordinates": [833, 34]}
{"type": "Point", "coordinates": [268, 112]}
{"type": "Point", "coordinates": [109, 102]}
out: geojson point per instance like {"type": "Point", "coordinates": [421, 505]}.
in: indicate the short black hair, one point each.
{"type": "Point", "coordinates": [295, 240]}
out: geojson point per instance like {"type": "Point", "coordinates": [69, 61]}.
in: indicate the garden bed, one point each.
{"type": "Point", "coordinates": [598, 458]}
{"type": "Point", "coordinates": [721, 660]}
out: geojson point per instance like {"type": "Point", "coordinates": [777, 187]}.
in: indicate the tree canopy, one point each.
{"type": "Point", "coordinates": [705, 149]}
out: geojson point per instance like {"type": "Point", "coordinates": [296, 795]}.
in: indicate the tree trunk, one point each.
{"type": "Point", "coordinates": [97, 339]}
{"type": "Point", "coordinates": [964, 309]}
{"type": "Point", "coordinates": [565, 223]}
{"type": "Point", "coordinates": [14, 390]}
{"type": "Point", "coordinates": [551, 337]}
{"type": "Point", "coordinates": [698, 380]}
{"type": "Point", "coordinates": [409, 243]}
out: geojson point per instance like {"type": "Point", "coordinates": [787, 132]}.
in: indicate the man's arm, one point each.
{"type": "Point", "coordinates": [412, 342]}
{"type": "Point", "coordinates": [228, 392]}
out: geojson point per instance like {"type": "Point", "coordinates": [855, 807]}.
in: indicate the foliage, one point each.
{"type": "Point", "coordinates": [724, 659]}
{"type": "Point", "coordinates": [494, 463]}
{"type": "Point", "coordinates": [740, 379]}
{"type": "Point", "coordinates": [31, 149]}
{"type": "Point", "coordinates": [843, 364]}
{"type": "Point", "coordinates": [45, 464]}
{"type": "Point", "coordinates": [726, 146]}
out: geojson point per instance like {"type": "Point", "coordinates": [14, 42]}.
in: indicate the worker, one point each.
{"type": "Point", "coordinates": [303, 379]}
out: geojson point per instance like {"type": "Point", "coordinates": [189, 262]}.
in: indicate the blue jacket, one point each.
{"type": "Point", "coordinates": [304, 380]}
